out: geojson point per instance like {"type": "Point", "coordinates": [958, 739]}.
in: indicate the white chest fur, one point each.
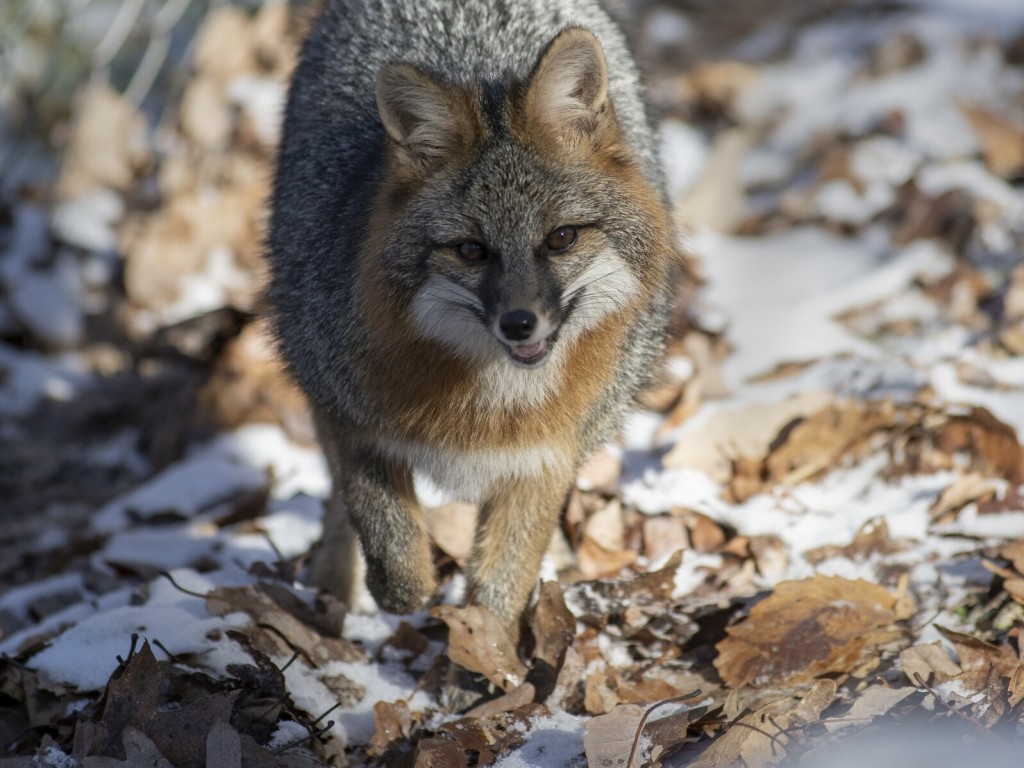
{"type": "Point", "coordinates": [471, 475]}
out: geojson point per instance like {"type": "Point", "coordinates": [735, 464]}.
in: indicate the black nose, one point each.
{"type": "Point", "coordinates": [518, 324]}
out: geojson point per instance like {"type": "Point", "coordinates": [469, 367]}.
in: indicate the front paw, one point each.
{"type": "Point", "coordinates": [399, 587]}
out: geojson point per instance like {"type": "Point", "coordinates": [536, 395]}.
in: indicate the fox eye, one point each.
{"type": "Point", "coordinates": [561, 238]}
{"type": "Point", "coordinates": [471, 251]}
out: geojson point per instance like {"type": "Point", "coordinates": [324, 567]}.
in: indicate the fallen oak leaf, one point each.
{"type": "Point", "coordinates": [609, 738]}
{"type": "Point", "coordinates": [809, 628]}
{"type": "Point", "coordinates": [393, 723]}
{"type": "Point", "coordinates": [478, 641]}
{"type": "Point", "coordinates": [763, 737]}
{"type": "Point", "coordinates": [928, 662]}
{"type": "Point", "coordinates": [607, 735]}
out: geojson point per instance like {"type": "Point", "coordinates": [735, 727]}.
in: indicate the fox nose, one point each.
{"type": "Point", "coordinates": [518, 324]}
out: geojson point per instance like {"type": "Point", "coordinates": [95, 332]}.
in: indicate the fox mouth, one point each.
{"type": "Point", "coordinates": [530, 355]}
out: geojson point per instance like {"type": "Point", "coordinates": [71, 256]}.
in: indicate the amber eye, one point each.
{"type": "Point", "coordinates": [471, 251]}
{"type": "Point", "coordinates": [561, 238]}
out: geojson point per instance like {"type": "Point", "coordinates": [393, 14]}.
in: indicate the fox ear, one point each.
{"type": "Point", "coordinates": [568, 90]}
{"type": "Point", "coordinates": [426, 120]}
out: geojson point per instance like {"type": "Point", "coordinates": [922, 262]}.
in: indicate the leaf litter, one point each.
{"type": "Point", "coordinates": [815, 521]}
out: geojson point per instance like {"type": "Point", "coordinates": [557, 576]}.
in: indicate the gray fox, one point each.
{"type": "Point", "coordinates": [471, 269]}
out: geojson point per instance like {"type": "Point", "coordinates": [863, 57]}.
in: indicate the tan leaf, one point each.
{"type": "Point", "coordinates": [1015, 689]}
{"type": "Point", "coordinates": [717, 200]}
{"type": "Point", "coordinates": [596, 562]}
{"type": "Point", "coordinates": [820, 440]}
{"type": "Point", "coordinates": [523, 693]}
{"type": "Point", "coordinates": [108, 146]}
{"type": "Point", "coordinates": [870, 703]}
{"type": "Point", "coordinates": [393, 722]}
{"type": "Point", "coordinates": [1015, 554]}
{"type": "Point", "coordinates": [452, 527]}
{"type": "Point", "coordinates": [600, 472]}
{"type": "Point", "coordinates": [762, 737]}
{"type": "Point", "coordinates": [982, 662]}
{"type": "Point", "coordinates": [439, 752]}
{"type": "Point", "coordinates": [966, 488]}
{"type": "Point", "coordinates": [808, 628]}
{"type": "Point", "coordinates": [553, 625]}
{"type": "Point", "coordinates": [609, 738]}
{"type": "Point", "coordinates": [1002, 140]}
{"type": "Point", "coordinates": [664, 534]}
{"type": "Point", "coordinates": [992, 443]}
{"type": "Point", "coordinates": [930, 661]}
{"type": "Point", "coordinates": [747, 432]}
{"type": "Point", "coordinates": [606, 527]}
{"type": "Point", "coordinates": [478, 641]}
{"type": "Point", "coordinates": [280, 626]}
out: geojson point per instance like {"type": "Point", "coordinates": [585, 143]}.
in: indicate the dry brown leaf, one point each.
{"type": "Point", "coordinates": [762, 737]}
{"type": "Point", "coordinates": [451, 528]}
{"type": "Point", "coordinates": [600, 472]}
{"type": "Point", "coordinates": [392, 723]}
{"type": "Point", "coordinates": [747, 432]}
{"type": "Point", "coordinates": [517, 697]}
{"type": "Point", "coordinates": [205, 115]}
{"type": "Point", "coordinates": [478, 641]}
{"type": "Point", "coordinates": [596, 562]}
{"type": "Point", "coordinates": [705, 534]}
{"type": "Point", "coordinates": [609, 738]}
{"type": "Point", "coordinates": [1015, 589]}
{"type": "Point", "coordinates": [872, 539]}
{"type": "Point", "coordinates": [717, 200]}
{"type": "Point", "coordinates": [820, 440]}
{"type": "Point", "coordinates": [1015, 689]}
{"type": "Point", "coordinates": [220, 61]}
{"type": "Point", "coordinates": [1002, 140]}
{"type": "Point", "coordinates": [808, 628]}
{"type": "Point", "coordinates": [930, 661]}
{"type": "Point", "coordinates": [606, 527]}
{"type": "Point", "coordinates": [663, 535]}
{"type": "Point", "coordinates": [281, 629]}
{"type": "Point", "coordinates": [249, 384]}
{"type": "Point", "coordinates": [1015, 554]}
{"type": "Point", "coordinates": [982, 662]}
{"type": "Point", "coordinates": [108, 147]}
{"type": "Point", "coordinates": [553, 625]}
{"type": "Point", "coordinates": [992, 443]}
{"type": "Point", "coordinates": [439, 752]}
{"type": "Point", "coordinates": [599, 694]}
{"type": "Point", "coordinates": [224, 746]}
{"type": "Point", "coordinates": [870, 703]}
{"type": "Point", "coordinates": [966, 488]}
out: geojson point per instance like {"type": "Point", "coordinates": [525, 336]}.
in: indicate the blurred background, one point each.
{"type": "Point", "coordinates": [850, 178]}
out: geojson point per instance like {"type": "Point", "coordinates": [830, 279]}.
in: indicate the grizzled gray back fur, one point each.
{"type": "Point", "coordinates": [332, 158]}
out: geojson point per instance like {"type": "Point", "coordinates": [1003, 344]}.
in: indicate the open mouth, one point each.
{"type": "Point", "coordinates": [529, 355]}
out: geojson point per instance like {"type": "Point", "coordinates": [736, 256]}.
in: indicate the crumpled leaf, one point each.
{"type": "Point", "coordinates": [809, 628]}
{"type": "Point", "coordinates": [763, 737]}
{"type": "Point", "coordinates": [477, 641]}
{"type": "Point", "coordinates": [289, 619]}
{"type": "Point", "coordinates": [609, 738]}
{"type": "Point", "coordinates": [930, 661]}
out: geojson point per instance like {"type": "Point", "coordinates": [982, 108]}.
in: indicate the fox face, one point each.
{"type": "Point", "coordinates": [519, 217]}
{"type": "Point", "coordinates": [518, 270]}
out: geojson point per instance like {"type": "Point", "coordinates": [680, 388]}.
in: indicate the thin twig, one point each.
{"type": "Point", "coordinates": [643, 720]}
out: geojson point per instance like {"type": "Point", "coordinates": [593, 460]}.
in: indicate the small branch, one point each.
{"type": "Point", "coordinates": [647, 714]}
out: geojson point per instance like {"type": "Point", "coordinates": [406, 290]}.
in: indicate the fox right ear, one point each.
{"type": "Point", "coordinates": [567, 96]}
{"type": "Point", "coordinates": [426, 120]}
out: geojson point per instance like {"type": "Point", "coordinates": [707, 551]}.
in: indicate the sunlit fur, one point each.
{"type": "Point", "coordinates": [416, 125]}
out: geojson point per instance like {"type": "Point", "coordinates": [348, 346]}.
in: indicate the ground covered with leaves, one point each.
{"type": "Point", "coordinates": [807, 548]}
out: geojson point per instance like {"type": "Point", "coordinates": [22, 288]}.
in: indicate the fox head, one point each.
{"type": "Point", "coordinates": [515, 216]}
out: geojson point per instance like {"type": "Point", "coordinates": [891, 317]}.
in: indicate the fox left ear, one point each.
{"type": "Point", "coordinates": [568, 90]}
